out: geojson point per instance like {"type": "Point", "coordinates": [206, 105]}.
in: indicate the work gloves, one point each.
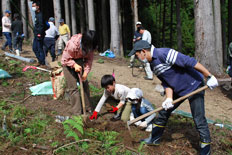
{"type": "Point", "coordinates": [212, 82]}
{"type": "Point", "coordinates": [114, 109]}
{"type": "Point", "coordinates": [93, 116]}
{"type": "Point", "coordinates": [167, 104]}
{"type": "Point", "coordinates": [143, 124]}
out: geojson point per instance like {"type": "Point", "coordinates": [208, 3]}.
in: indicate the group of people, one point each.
{"type": "Point", "coordinates": [46, 34]}
{"type": "Point", "coordinates": [14, 29]}
{"type": "Point", "coordinates": [179, 74]}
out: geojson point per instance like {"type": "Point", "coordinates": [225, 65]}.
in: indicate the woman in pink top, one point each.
{"type": "Point", "coordinates": [77, 59]}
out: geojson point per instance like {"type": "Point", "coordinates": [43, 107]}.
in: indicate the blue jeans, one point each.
{"type": "Point", "coordinates": [49, 44]}
{"type": "Point", "coordinates": [8, 40]}
{"type": "Point", "coordinates": [198, 112]}
{"type": "Point", "coordinates": [137, 113]}
{"type": "Point", "coordinates": [38, 50]}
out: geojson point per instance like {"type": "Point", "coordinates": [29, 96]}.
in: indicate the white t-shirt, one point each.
{"type": "Point", "coordinates": [120, 93]}
{"type": "Point", "coordinates": [6, 24]}
{"type": "Point", "coordinates": [147, 36]}
{"type": "Point", "coordinates": [52, 32]}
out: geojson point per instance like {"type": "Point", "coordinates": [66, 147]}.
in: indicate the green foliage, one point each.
{"type": "Point", "coordinates": [94, 90]}
{"type": "Point", "coordinates": [5, 83]}
{"type": "Point", "coordinates": [74, 127]}
{"type": "Point", "coordinates": [100, 61]}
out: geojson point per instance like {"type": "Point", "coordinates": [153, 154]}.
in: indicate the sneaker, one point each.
{"type": "Point", "coordinates": [146, 78]}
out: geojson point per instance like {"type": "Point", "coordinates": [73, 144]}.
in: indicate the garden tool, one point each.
{"type": "Point", "coordinates": [161, 108]}
{"type": "Point", "coordinates": [33, 67]}
{"type": "Point", "coordinates": [82, 97]}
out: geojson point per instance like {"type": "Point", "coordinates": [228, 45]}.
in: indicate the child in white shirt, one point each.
{"type": "Point", "coordinates": [118, 92]}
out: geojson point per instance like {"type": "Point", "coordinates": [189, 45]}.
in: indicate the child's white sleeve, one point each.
{"type": "Point", "coordinates": [101, 102]}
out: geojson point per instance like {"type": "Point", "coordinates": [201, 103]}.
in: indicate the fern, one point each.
{"type": "Point", "coordinates": [73, 126]}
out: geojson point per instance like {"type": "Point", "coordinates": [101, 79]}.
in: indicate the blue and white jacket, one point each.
{"type": "Point", "coordinates": [175, 70]}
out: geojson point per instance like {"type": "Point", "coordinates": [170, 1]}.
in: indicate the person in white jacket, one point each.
{"type": "Point", "coordinates": [139, 107]}
{"type": "Point", "coordinates": [118, 92]}
{"type": "Point", "coordinates": [6, 30]}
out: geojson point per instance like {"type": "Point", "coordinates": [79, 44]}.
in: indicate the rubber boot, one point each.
{"type": "Point", "coordinates": [154, 138]}
{"type": "Point", "coordinates": [205, 149]}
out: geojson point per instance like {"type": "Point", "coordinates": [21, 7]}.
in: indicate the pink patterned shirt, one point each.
{"type": "Point", "coordinates": [73, 51]}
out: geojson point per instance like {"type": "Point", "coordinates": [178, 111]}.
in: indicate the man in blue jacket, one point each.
{"type": "Point", "coordinates": [180, 75]}
{"type": "Point", "coordinates": [38, 34]}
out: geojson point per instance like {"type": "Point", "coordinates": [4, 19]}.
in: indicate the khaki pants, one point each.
{"type": "Point", "coordinates": [71, 80]}
{"type": "Point", "coordinates": [63, 39]}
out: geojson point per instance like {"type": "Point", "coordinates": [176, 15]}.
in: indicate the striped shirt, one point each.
{"type": "Point", "coordinates": [175, 70]}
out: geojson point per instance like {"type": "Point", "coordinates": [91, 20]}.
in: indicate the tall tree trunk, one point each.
{"type": "Point", "coordinates": [224, 41]}
{"type": "Point", "coordinates": [229, 21]}
{"type": "Point", "coordinates": [30, 20]}
{"type": "Point", "coordinates": [67, 15]}
{"type": "Point", "coordinates": [114, 20]}
{"type": "Point", "coordinates": [164, 24]}
{"type": "Point", "coordinates": [82, 15]}
{"type": "Point", "coordinates": [135, 11]}
{"type": "Point", "coordinates": [86, 14]}
{"type": "Point", "coordinates": [178, 26]}
{"type": "Point", "coordinates": [204, 35]}
{"type": "Point", "coordinates": [218, 33]}
{"type": "Point", "coordinates": [5, 6]}
{"type": "Point", "coordinates": [24, 16]}
{"type": "Point", "coordinates": [171, 23]}
{"type": "Point", "coordinates": [160, 24]}
{"type": "Point", "coordinates": [74, 17]}
{"type": "Point", "coordinates": [57, 11]}
{"type": "Point", "coordinates": [120, 27]}
{"type": "Point", "coordinates": [104, 25]}
{"type": "Point", "coordinates": [91, 15]}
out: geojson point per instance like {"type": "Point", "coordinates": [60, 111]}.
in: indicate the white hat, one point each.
{"type": "Point", "coordinates": [138, 23]}
{"type": "Point", "coordinates": [135, 93]}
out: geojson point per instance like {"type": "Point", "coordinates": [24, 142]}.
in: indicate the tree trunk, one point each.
{"type": "Point", "coordinates": [204, 35]}
{"type": "Point", "coordinates": [5, 6]}
{"type": "Point", "coordinates": [30, 21]}
{"type": "Point", "coordinates": [91, 15]}
{"type": "Point", "coordinates": [178, 26]}
{"type": "Point", "coordinates": [74, 17]}
{"type": "Point", "coordinates": [120, 28]}
{"type": "Point", "coordinates": [171, 23]}
{"type": "Point", "coordinates": [135, 12]}
{"type": "Point", "coordinates": [67, 15]}
{"type": "Point", "coordinates": [24, 17]}
{"type": "Point", "coordinates": [114, 20]}
{"type": "Point", "coordinates": [164, 24]}
{"type": "Point", "coordinates": [57, 11]}
{"type": "Point", "coordinates": [82, 15]}
{"type": "Point", "coordinates": [229, 21]}
{"type": "Point", "coordinates": [224, 41]}
{"type": "Point", "coordinates": [104, 25]}
{"type": "Point", "coordinates": [218, 33]}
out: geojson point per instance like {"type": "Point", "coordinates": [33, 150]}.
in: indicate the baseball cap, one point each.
{"type": "Point", "coordinates": [135, 93]}
{"type": "Point", "coordinates": [52, 19]}
{"type": "Point", "coordinates": [61, 20]}
{"type": "Point", "coordinates": [138, 46]}
{"type": "Point", "coordinates": [8, 11]}
{"type": "Point", "coordinates": [138, 23]}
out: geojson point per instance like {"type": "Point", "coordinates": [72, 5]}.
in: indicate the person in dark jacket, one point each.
{"type": "Point", "coordinates": [17, 29]}
{"type": "Point", "coordinates": [38, 34]}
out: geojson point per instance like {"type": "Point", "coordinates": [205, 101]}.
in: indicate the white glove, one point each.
{"type": "Point", "coordinates": [143, 124]}
{"type": "Point", "coordinates": [138, 123]}
{"type": "Point", "coordinates": [167, 104]}
{"type": "Point", "coordinates": [212, 82]}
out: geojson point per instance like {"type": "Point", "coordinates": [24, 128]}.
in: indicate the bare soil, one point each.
{"type": "Point", "coordinates": [179, 138]}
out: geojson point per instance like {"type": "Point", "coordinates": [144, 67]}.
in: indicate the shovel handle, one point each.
{"type": "Point", "coordinates": [161, 108]}
{"type": "Point", "coordinates": [82, 94]}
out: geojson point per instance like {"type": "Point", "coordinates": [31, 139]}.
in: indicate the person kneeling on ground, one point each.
{"type": "Point", "coordinates": [139, 107]}
{"type": "Point", "coordinates": [118, 92]}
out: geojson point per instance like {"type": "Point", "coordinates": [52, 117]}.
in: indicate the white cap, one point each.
{"type": "Point", "coordinates": [135, 93]}
{"type": "Point", "coordinates": [138, 23]}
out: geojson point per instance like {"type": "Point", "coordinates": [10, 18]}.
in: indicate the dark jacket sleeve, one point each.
{"type": "Point", "coordinates": [40, 25]}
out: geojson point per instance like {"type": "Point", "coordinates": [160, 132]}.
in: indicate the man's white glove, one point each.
{"type": "Point", "coordinates": [167, 104]}
{"type": "Point", "coordinates": [143, 124]}
{"type": "Point", "coordinates": [212, 82]}
{"type": "Point", "coordinates": [138, 123]}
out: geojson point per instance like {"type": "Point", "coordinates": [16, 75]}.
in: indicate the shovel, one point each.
{"type": "Point", "coordinates": [82, 97]}
{"type": "Point", "coordinates": [161, 108]}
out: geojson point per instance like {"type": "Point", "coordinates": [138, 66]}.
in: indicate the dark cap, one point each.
{"type": "Point", "coordinates": [138, 46]}
{"type": "Point", "coordinates": [61, 21]}
{"type": "Point", "coordinates": [8, 11]}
